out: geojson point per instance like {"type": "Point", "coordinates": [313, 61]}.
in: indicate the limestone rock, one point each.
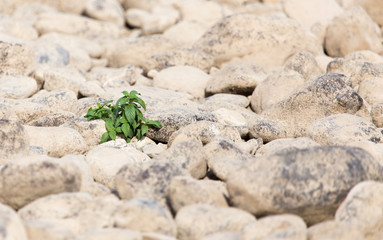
{"type": "Point", "coordinates": [340, 129]}
{"type": "Point", "coordinates": [53, 119]}
{"type": "Point", "coordinates": [315, 181]}
{"type": "Point", "coordinates": [285, 145]}
{"type": "Point", "coordinates": [222, 99]}
{"type": "Point", "coordinates": [105, 10]}
{"type": "Point", "coordinates": [227, 235]}
{"type": "Point", "coordinates": [105, 162]}
{"type": "Point", "coordinates": [184, 190]}
{"type": "Point", "coordinates": [364, 56]}
{"type": "Point", "coordinates": [17, 59]}
{"type": "Point", "coordinates": [362, 209]}
{"type": "Point", "coordinates": [151, 179]}
{"type": "Point", "coordinates": [333, 230]}
{"type": "Point", "coordinates": [48, 54]}
{"type": "Point", "coordinates": [344, 26]}
{"type": "Point", "coordinates": [17, 28]}
{"type": "Point", "coordinates": [274, 89]}
{"type": "Point", "coordinates": [230, 117]}
{"type": "Point", "coordinates": [177, 57]}
{"type": "Point", "coordinates": [188, 155]}
{"type": "Point", "coordinates": [290, 226]}
{"type": "Point", "coordinates": [305, 64]}
{"type": "Point", "coordinates": [91, 131]}
{"type": "Point", "coordinates": [29, 178]}
{"type": "Point", "coordinates": [186, 79]}
{"type": "Point", "coordinates": [91, 89]}
{"type": "Point", "coordinates": [237, 78]}
{"type": "Point", "coordinates": [56, 141]}
{"type": "Point", "coordinates": [12, 226]}
{"type": "Point", "coordinates": [58, 99]}
{"type": "Point", "coordinates": [377, 114]}
{"type": "Point", "coordinates": [115, 77]}
{"type": "Point", "coordinates": [372, 7]}
{"type": "Point", "coordinates": [316, 99]}
{"type": "Point", "coordinates": [259, 38]}
{"type": "Point", "coordinates": [370, 90]}
{"type": "Point", "coordinates": [14, 140]}
{"type": "Point", "coordinates": [209, 219]}
{"type": "Point", "coordinates": [63, 78]}
{"type": "Point", "coordinates": [185, 32]}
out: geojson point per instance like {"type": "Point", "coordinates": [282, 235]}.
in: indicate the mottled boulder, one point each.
{"type": "Point", "coordinates": [305, 64]}
{"type": "Point", "coordinates": [48, 54]}
{"type": "Point", "coordinates": [53, 119]}
{"type": "Point", "coordinates": [58, 99]}
{"type": "Point", "coordinates": [184, 190]}
{"type": "Point", "coordinates": [319, 98]}
{"type": "Point", "coordinates": [209, 219]}
{"type": "Point", "coordinates": [341, 38]}
{"type": "Point", "coordinates": [364, 56]}
{"type": "Point", "coordinates": [258, 39]}
{"type": "Point", "coordinates": [14, 140]}
{"type": "Point", "coordinates": [188, 155]}
{"type": "Point", "coordinates": [115, 77]}
{"type": "Point", "coordinates": [340, 129]}
{"type": "Point", "coordinates": [29, 178]}
{"type": "Point", "coordinates": [16, 59]}
{"type": "Point", "coordinates": [236, 78]}
{"type": "Point", "coordinates": [290, 226]}
{"type": "Point", "coordinates": [309, 182]}
{"type": "Point", "coordinates": [362, 209]}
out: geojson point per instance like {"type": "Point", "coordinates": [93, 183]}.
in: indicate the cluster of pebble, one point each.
{"type": "Point", "coordinates": [272, 115]}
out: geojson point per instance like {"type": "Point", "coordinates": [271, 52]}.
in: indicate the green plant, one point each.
{"type": "Point", "coordinates": [124, 118]}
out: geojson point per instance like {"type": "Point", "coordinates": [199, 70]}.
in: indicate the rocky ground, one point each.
{"type": "Point", "coordinates": [272, 115]}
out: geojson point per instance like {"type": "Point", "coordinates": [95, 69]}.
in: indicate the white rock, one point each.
{"type": "Point", "coordinates": [105, 10]}
{"type": "Point", "coordinates": [186, 32]}
{"type": "Point", "coordinates": [63, 78]}
{"type": "Point", "coordinates": [17, 87]}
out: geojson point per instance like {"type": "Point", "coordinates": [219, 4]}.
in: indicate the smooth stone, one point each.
{"type": "Point", "coordinates": [18, 59]}
{"type": "Point", "coordinates": [370, 90]}
{"type": "Point", "coordinates": [58, 99]}
{"type": "Point", "coordinates": [305, 64]}
{"type": "Point", "coordinates": [91, 131]}
{"type": "Point", "coordinates": [12, 225]}
{"type": "Point", "coordinates": [285, 145]}
{"type": "Point", "coordinates": [105, 10]}
{"type": "Point", "coordinates": [17, 87]}
{"type": "Point", "coordinates": [14, 139]}
{"type": "Point", "coordinates": [63, 78]}
{"type": "Point", "coordinates": [186, 32]}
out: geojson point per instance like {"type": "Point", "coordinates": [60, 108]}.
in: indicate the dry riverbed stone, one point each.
{"type": "Point", "coordinates": [14, 140]}
{"type": "Point", "coordinates": [309, 182]}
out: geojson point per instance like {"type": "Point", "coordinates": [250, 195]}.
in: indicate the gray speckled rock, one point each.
{"type": "Point", "coordinates": [63, 78]}
{"type": "Point", "coordinates": [377, 114]}
{"type": "Point", "coordinates": [53, 119]}
{"type": "Point", "coordinates": [105, 10]}
{"type": "Point", "coordinates": [30, 178]}
{"type": "Point", "coordinates": [14, 140]}
{"type": "Point", "coordinates": [340, 129]}
{"type": "Point", "coordinates": [17, 87]}
{"type": "Point", "coordinates": [17, 59]}
{"type": "Point", "coordinates": [285, 145]}
{"type": "Point", "coordinates": [209, 219]}
{"type": "Point", "coordinates": [91, 131]}
{"type": "Point", "coordinates": [305, 64]}
{"type": "Point", "coordinates": [59, 99]}
{"type": "Point", "coordinates": [309, 182]}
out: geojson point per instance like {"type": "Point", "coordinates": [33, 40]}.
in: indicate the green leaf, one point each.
{"type": "Point", "coordinates": [125, 93]}
{"type": "Point", "coordinates": [139, 134]}
{"type": "Point", "coordinates": [144, 129]}
{"type": "Point", "coordinates": [99, 105]}
{"type": "Point", "coordinates": [130, 113]}
{"type": "Point", "coordinates": [139, 101]}
{"type": "Point", "coordinates": [155, 124]}
{"type": "Point", "coordinates": [109, 124]}
{"type": "Point", "coordinates": [104, 137]}
{"type": "Point", "coordinates": [119, 130]}
{"type": "Point", "coordinates": [112, 135]}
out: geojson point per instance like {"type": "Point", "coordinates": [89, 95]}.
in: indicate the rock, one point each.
{"type": "Point", "coordinates": [51, 229]}
{"type": "Point", "coordinates": [305, 64]}
{"type": "Point", "coordinates": [69, 141]}
{"type": "Point", "coordinates": [274, 89]}
{"type": "Point", "coordinates": [81, 107]}
{"type": "Point", "coordinates": [364, 56]}
{"type": "Point", "coordinates": [58, 99]}
{"type": "Point", "coordinates": [115, 233]}
{"type": "Point", "coordinates": [14, 140]}
{"type": "Point", "coordinates": [188, 155]}
{"type": "Point", "coordinates": [238, 78]}
{"type": "Point", "coordinates": [372, 7]}
{"type": "Point", "coordinates": [63, 78]}
{"type": "Point", "coordinates": [135, 51]}
{"type": "Point", "coordinates": [186, 79]}
{"type": "Point", "coordinates": [229, 117]}
{"type": "Point", "coordinates": [316, 99]}
{"type": "Point", "coordinates": [115, 77]}
{"type": "Point", "coordinates": [145, 215]}
{"type": "Point", "coordinates": [375, 149]}
{"type": "Point", "coordinates": [76, 25]}
{"type": "Point", "coordinates": [91, 89]}
{"type": "Point", "coordinates": [17, 28]}
{"type": "Point", "coordinates": [105, 162]}
{"type": "Point", "coordinates": [377, 114]}
{"type": "Point", "coordinates": [222, 99]}
{"type": "Point", "coordinates": [29, 178]}
{"type": "Point", "coordinates": [17, 87]}
{"type": "Point", "coordinates": [105, 10]}
{"type": "Point", "coordinates": [75, 7]}
{"type": "Point", "coordinates": [343, 27]}
{"type": "Point", "coordinates": [287, 225]}
{"type": "Point", "coordinates": [28, 12]}
{"type": "Point", "coordinates": [209, 219]}
{"type": "Point", "coordinates": [285, 145]}
{"type": "Point", "coordinates": [332, 230]}
{"type": "Point", "coordinates": [205, 12]}
{"type": "Point", "coordinates": [179, 57]}
{"type": "Point", "coordinates": [204, 131]}
{"type": "Point", "coordinates": [184, 191]}
{"type": "Point", "coordinates": [53, 119]}
{"type": "Point", "coordinates": [48, 54]}
{"type": "Point", "coordinates": [257, 39]}
{"type": "Point", "coordinates": [340, 129]}
{"type": "Point", "coordinates": [17, 59]}
{"type": "Point", "coordinates": [313, 185]}
{"type": "Point", "coordinates": [267, 130]}
{"type": "Point", "coordinates": [12, 226]}
{"type": "Point", "coordinates": [309, 13]}
{"type": "Point", "coordinates": [151, 179]}
{"type": "Point", "coordinates": [362, 209]}
{"type": "Point", "coordinates": [156, 21]}
{"type": "Point", "coordinates": [370, 90]}
{"type": "Point", "coordinates": [222, 235]}
{"type": "Point", "coordinates": [91, 131]}
{"type": "Point", "coordinates": [185, 32]}
{"type": "Point", "coordinates": [251, 146]}
{"type": "Point", "coordinates": [156, 236]}
{"type": "Point", "coordinates": [357, 71]}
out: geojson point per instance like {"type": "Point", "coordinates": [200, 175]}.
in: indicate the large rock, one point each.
{"type": "Point", "coordinates": [57, 141]}
{"type": "Point", "coordinates": [115, 77]}
{"type": "Point", "coordinates": [333, 230]}
{"type": "Point", "coordinates": [341, 38]}
{"type": "Point", "coordinates": [14, 140]}
{"type": "Point", "coordinates": [63, 78]}
{"type": "Point", "coordinates": [53, 119]}
{"type": "Point", "coordinates": [237, 78]}
{"type": "Point", "coordinates": [91, 131]}
{"type": "Point", "coordinates": [12, 226]}
{"type": "Point", "coordinates": [186, 32]}
{"type": "Point", "coordinates": [372, 7]}
{"type": "Point", "coordinates": [285, 145]}
{"type": "Point", "coordinates": [309, 182]}
{"type": "Point", "coordinates": [362, 209]}
{"type": "Point", "coordinates": [319, 98]}
{"type": "Point", "coordinates": [305, 64]}
{"type": "Point", "coordinates": [209, 219]}
{"type": "Point", "coordinates": [58, 99]}
{"type": "Point", "coordinates": [265, 40]}
{"type": "Point", "coordinates": [340, 129]}
{"type": "Point", "coordinates": [29, 178]}
{"type": "Point", "coordinates": [16, 59]}
{"type": "Point", "coordinates": [371, 90]}
{"type": "Point", "coordinates": [106, 10]}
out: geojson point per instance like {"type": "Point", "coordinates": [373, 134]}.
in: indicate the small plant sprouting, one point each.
{"type": "Point", "coordinates": [124, 118]}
